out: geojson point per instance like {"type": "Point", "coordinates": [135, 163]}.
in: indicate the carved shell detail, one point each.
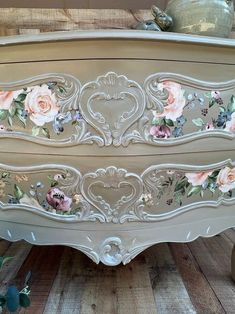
{"type": "Point", "coordinates": [114, 195]}
{"type": "Point", "coordinates": [166, 109]}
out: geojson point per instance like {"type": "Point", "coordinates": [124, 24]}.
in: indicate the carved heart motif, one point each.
{"type": "Point", "coordinates": [111, 104]}
{"type": "Point", "coordinates": [112, 191]}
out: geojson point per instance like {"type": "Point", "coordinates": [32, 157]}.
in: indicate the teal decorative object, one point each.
{"type": "Point", "coordinates": [201, 17]}
{"type": "Point", "coordinates": [161, 22]}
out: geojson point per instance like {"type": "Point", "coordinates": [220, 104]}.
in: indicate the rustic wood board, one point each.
{"type": "Point", "coordinates": [199, 289]}
{"type": "Point", "coordinates": [166, 281]}
{"type": "Point", "coordinates": [93, 4]}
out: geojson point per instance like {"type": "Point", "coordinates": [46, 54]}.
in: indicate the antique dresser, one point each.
{"type": "Point", "coordinates": [113, 141]}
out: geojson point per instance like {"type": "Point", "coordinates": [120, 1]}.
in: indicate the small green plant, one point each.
{"type": "Point", "coordinates": [14, 299]}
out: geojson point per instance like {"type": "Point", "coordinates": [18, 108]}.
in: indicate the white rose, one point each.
{"type": "Point", "coordinates": [41, 105]}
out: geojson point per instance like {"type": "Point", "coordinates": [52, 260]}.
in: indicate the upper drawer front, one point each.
{"type": "Point", "coordinates": [130, 105]}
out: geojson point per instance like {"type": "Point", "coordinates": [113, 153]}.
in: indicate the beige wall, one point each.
{"type": "Point", "coordinates": [94, 4]}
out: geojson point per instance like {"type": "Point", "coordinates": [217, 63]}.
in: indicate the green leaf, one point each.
{"type": "Point", "coordinates": [194, 190]}
{"type": "Point", "coordinates": [208, 95]}
{"type": "Point", "coordinates": [21, 118]}
{"type": "Point", "coordinates": [9, 119]}
{"type": "Point", "coordinates": [18, 192]}
{"type": "Point", "coordinates": [62, 89]}
{"type": "Point", "coordinates": [222, 109]}
{"type": "Point", "coordinates": [169, 122]}
{"type": "Point", "coordinates": [46, 132]}
{"type": "Point", "coordinates": [19, 105]}
{"type": "Point", "coordinates": [24, 300]}
{"type": "Point", "coordinates": [12, 111]}
{"type": "Point", "coordinates": [3, 114]}
{"type": "Point", "coordinates": [53, 182]}
{"type": "Point", "coordinates": [211, 102]}
{"type": "Point", "coordinates": [211, 188]}
{"type": "Point", "coordinates": [180, 185]}
{"type": "Point", "coordinates": [21, 97]}
{"type": "Point", "coordinates": [231, 105]}
{"type": "Point", "coordinates": [3, 300]}
{"type": "Point", "coordinates": [158, 121]}
{"type": "Point", "coordinates": [5, 175]}
{"type": "Point", "coordinates": [214, 174]}
{"type": "Point", "coordinates": [198, 122]}
{"type": "Point", "coordinates": [4, 260]}
{"type": "Point", "coordinates": [35, 130]}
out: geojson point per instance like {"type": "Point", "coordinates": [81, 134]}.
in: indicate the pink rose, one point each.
{"type": "Point", "coordinates": [226, 179]}
{"type": "Point", "coordinates": [6, 99]}
{"type": "Point", "coordinates": [41, 105]}
{"type": "Point", "coordinates": [58, 200]}
{"type": "Point", "coordinates": [160, 131]}
{"type": "Point", "coordinates": [230, 125]}
{"type": "Point", "coordinates": [175, 101]}
{"type": "Point", "coordinates": [197, 178]}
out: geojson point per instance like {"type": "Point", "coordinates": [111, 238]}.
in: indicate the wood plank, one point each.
{"type": "Point", "coordinates": [134, 289]}
{"type": "Point", "coordinates": [43, 262]}
{"type": "Point", "coordinates": [213, 256]}
{"type": "Point", "coordinates": [169, 291]}
{"type": "Point", "coordinates": [82, 3]}
{"type": "Point", "coordinates": [77, 271]}
{"type": "Point", "coordinates": [84, 287]}
{"type": "Point", "coordinates": [200, 291]}
{"type": "Point", "coordinates": [4, 245]}
{"type": "Point", "coordinates": [20, 251]}
{"type": "Point", "coordinates": [65, 19]}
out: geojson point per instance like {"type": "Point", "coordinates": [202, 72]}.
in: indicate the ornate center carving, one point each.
{"type": "Point", "coordinates": [111, 104]}
{"type": "Point", "coordinates": [99, 187]}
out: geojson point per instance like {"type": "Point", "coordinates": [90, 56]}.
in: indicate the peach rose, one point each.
{"type": "Point", "coordinates": [41, 105]}
{"type": "Point", "coordinates": [175, 101]}
{"type": "Point", "coordinates": [6, 98]}
{"type": "Point", "coordinates": [230, 125]}
{"type": "Point", "coordinates": [226, 179]}
{"type": "Point", "coordinates": [198, 178]}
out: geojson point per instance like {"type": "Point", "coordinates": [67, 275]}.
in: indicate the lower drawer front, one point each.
{"type": "Point", "coordinates": [113, 208]}
{"type": "Point", "coordinates": [116, 189]}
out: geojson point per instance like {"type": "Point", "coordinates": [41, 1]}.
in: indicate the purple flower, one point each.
{"type": "Point", "coordinates": [58, 200]}
{"type": "Point", "coordinates": [77, 116]}
{"type": "Point", "coordinates": [160, 131]}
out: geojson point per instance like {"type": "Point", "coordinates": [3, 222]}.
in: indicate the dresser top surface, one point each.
{"type": "Point", "coordinates": [117, 34]}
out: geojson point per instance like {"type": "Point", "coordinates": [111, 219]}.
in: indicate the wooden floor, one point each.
{"type": "Point", "coordinates": [165, 279]}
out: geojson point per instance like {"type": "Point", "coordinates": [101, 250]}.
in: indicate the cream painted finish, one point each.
{"type": "Point", "coordinates": [111, 162]}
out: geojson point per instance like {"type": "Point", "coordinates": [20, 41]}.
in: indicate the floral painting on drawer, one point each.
{"type": "Point", "coordinates": [165, 109]}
